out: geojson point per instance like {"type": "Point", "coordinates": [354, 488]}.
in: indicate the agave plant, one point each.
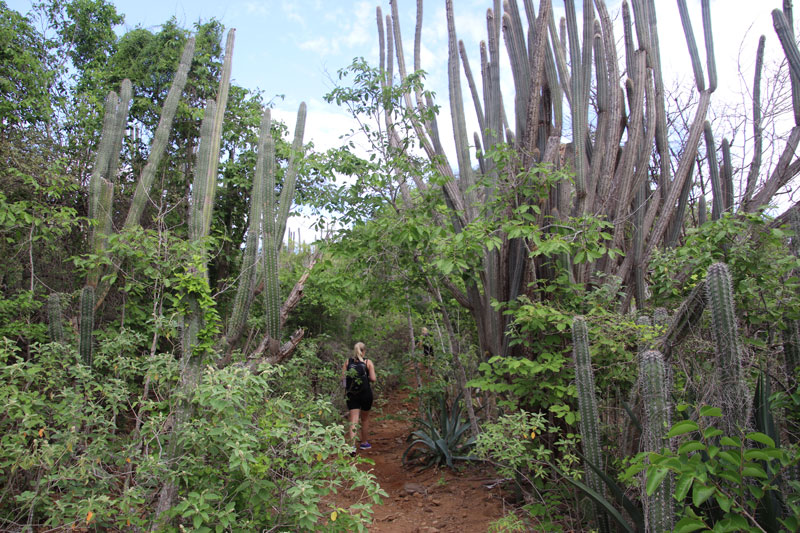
{"type": "Point", "coordinates": [440, 437]}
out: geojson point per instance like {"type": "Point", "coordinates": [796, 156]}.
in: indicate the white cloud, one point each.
{"type": "Point", "coordinates": [255, 8]}
{"type": "Point", "coordinates": [322, 46]}
{"type": "Point", "coordinates": [292, 13]}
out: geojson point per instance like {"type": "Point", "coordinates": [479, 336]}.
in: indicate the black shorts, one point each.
{"type": "Point", "coordinates": [360, 400]}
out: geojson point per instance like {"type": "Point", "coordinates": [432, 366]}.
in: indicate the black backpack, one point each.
{"type": "Point", "coordinates": [356, 375]}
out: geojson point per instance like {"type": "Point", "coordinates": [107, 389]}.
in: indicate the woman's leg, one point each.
{"type": "Point", "coordinates": [364, 426]}
{"type": "Point", "coordinates": [352, 418]}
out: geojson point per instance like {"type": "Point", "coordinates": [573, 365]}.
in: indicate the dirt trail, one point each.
{"type": "Point", "coordinates": [434, 500]}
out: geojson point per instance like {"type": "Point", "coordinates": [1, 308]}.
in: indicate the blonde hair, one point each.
{"type": "Point", "coordinates": [358, 350]}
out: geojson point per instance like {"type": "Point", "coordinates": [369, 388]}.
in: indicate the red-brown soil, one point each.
{"type": "Point", "coordinates": [432, 500]}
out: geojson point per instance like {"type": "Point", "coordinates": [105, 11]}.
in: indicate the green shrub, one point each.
{"type": "Point", "coordinates": [721, 481]}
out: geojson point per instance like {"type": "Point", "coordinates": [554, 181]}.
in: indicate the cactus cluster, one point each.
{"type": "Point", "coordinates": [557, 72]}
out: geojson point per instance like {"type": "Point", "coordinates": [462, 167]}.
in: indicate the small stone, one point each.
{"type": "Point", "coordinates": [415, 488]}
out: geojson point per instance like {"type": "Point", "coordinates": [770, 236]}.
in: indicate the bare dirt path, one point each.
{"type": "Point", "coordinates": [434, 500]}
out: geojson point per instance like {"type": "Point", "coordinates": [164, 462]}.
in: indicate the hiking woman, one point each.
{"type": "Point", "coordinates": [358, 373]}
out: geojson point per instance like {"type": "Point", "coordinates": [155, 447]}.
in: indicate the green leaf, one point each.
{"type": "Point", "coordinates": [701, 493]}
{"type": "Point", "coordinates": [761, 438]}
{"type": "Point", "coordinates": [730, 441]}
{"type": "Point", "coordinates": [756, 455]}
{"type": "Point", "coordinates": [731, 457]}
{"type": "Point", "coordinates": [723, 501]}
{"type": "Point", "coordinates": [654, 479]}
{"type": "Point", "coordinates": [708, 410]}
{"type": "Point", "coordinates": [690, 446]}
{"type": "Point", "coordinates": [682, 486]}
{"type": "Point", "coordinates": [688, 524]}
{"type": "Point", "coordinates": [753, 470]}
{"type": "Point", "coordinates": [682, 427]}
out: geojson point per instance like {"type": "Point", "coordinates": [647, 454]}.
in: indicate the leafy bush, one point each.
{"type": "Point", "coordinates": [66, 449]}
{"type": "Point", "coordinates": [522, 444]}
{"type": "Point", "coordinates": [723, 482]}
{"type": "Point", "coordinates": [71, 454]}
{"type": "Point", "coordinates": [266, 460]}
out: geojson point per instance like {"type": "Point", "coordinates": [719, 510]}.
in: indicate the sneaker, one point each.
{"type": "Point", "coordinates": [365, 446]}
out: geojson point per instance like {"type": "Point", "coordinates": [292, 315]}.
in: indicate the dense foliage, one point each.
{"type": "Point", "coordinates": [654, 395]}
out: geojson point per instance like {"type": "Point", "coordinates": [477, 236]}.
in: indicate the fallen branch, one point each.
{"type": "Point", "coordinates": [275, 354]}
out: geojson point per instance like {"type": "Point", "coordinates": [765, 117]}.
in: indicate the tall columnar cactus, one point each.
{"type": "Point", "coordinates": [713, 169]}
{"type": "Point", "coordinates": [55, 324]}
{"type": "Point", "coordinates": [157, 148]}
{"type": "Point", "coordinates": [194, 321]}
{"type": "Point", "coordinates": [85, 342]}
{"type": "Point", "coordinates": [249, 270]}
{"type": "Point", "coordinates": [732, 394]}
{"type": "Point", "coordinates": [275, 224]}
{"type": "Point", "coordinates": [101, 183]}
{"type": "Point", "coordinates": [658, 508]}
{"type": "Point", "coordinates": [727, 176]}
{"type": "Point", "coordinates": [161, 136]}
{"type": "Point", "coordinates": [687, 315]}
{"type": "Point", "coordinates": [270, 240]}
{"type": "Point", "coordinates": [587, 405]}
{"type": "Point", "coordinates": [758, 135]}
{"type": "Point", "coordinates": [199, 221]}
{"type": "Point", "coordinates": [290, 178]}
{"type": "Point", "coordinates": [783, 171]}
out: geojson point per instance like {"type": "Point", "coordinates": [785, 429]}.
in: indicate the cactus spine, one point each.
{"type": "Point", "coordinates": [587, 405]}
{"type": "Point", "coordinates": [55, 326]}
{"type": "Point", "coordinates": [86, 325]}
{"type": "Point", "coordinates": [732, 388]}
{"type": "Point", "coordinates": [658, 509]}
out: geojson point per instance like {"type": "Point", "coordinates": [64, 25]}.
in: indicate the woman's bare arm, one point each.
{"type": "Point", "coordinates": [371, 371]}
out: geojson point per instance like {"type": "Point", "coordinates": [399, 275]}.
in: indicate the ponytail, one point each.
{"type": "Point", "coordinates": [358, 351]}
